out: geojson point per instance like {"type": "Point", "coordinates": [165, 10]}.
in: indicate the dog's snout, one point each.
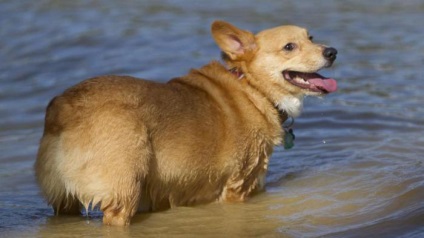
{"type": "Point", "coordinates": [330, 53]}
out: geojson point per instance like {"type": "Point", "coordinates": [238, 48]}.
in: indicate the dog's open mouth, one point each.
{"type": "Point", "coordinates": [311, 81]}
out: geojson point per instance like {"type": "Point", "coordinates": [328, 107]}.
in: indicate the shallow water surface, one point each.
{"type": "Point", "coordinates": [357, 167]}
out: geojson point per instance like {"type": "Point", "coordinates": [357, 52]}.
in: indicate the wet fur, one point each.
{"type": "Point", "coordinates": [127, 144]}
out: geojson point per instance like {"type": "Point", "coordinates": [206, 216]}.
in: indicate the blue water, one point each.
{"type": "Point", "coordinates": [357, 167]}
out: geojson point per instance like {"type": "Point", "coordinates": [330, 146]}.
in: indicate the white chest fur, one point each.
{"type": "Point", "coordinates": [292, 105]}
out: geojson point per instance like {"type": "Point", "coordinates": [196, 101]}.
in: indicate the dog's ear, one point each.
{"type": "Point", "coordinates": [237, 44]}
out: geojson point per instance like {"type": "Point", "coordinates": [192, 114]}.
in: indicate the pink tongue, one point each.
{"type": "Point", "coordinates": [329, 85]}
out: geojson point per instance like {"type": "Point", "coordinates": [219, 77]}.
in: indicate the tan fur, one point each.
{"type": "Point", "coordinates": [127, 144]}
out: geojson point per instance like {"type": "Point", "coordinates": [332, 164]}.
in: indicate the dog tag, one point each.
{"type": "Point", "coordinates": [288, 139]}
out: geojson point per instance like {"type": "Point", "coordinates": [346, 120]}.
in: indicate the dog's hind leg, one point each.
{"type": "Point", "coordinates": [127, 181]}
{"type": "Point", "coordinates": [120, 211]}
{"type": "Point", "coordinates": [105, 163]}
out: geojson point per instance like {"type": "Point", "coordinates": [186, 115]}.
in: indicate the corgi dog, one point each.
{"type": "Point", "coordinates": [125, 144]}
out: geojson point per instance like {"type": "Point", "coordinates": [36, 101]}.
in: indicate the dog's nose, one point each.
{"type": "Point", "coordinates": [330, 53]}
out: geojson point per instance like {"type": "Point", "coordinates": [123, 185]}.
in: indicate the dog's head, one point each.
{"type": "Point", "coordinates": [281, 62]}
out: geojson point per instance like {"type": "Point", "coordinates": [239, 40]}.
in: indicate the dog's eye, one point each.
{"type": "Point", "coordinates": [311, 38]}
{"type": "Point", "coordinates": [290, 47]}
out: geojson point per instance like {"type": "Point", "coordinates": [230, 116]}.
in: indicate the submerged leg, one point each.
{"type": "Point", "coordinates": [120, 212]}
